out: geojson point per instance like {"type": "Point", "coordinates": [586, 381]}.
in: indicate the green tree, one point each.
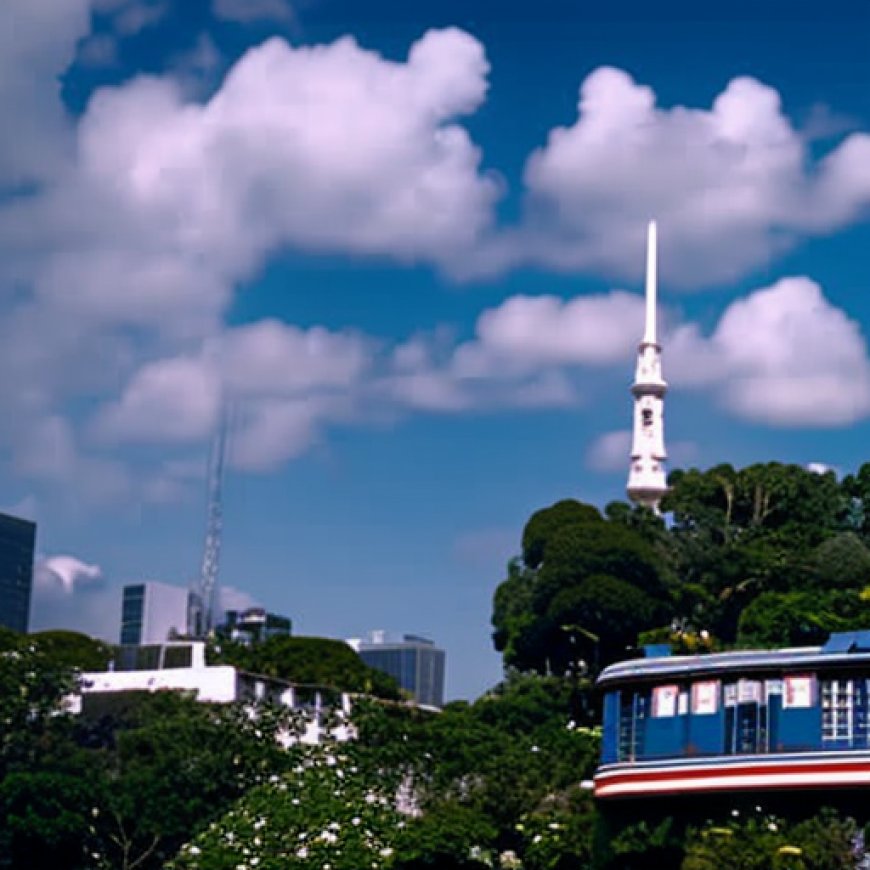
{"type": "Point", "coordinates": [313, 661]}
{"type": "Point", "coordinates": [585, 588]}
{"type": "Point", "coordinates": [777, 619]}
{"type": "Point", "coordinates": [172, 764]}
{"type": "Point", "coordinates": [843, 562]}
{"type": "Point", "coordinates": [73, 650]}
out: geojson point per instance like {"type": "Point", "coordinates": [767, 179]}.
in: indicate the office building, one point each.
{"type": "Point", "coordinates": [17, 537]}
{"type": "Point", "coordinates": [254, 625]}
{"type": "Point", "coordinates": [152, 613]}
{"type": "Point", "coordinates": [414, 662]}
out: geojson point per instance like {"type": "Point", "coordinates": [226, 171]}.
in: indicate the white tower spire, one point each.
{"type": "Point", "coordinates": [646, 476]}
{"type": "Point", "coordinates": [649, 335]}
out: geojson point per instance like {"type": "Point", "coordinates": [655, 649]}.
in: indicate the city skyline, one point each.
{"type": "Point", "coordinates": [414, 255]}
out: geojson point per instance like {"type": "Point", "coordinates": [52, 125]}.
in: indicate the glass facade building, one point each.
{"type": "Point", "coordinates": [414, 662]}
{"type": "Point", "coordinates": [17, 538]}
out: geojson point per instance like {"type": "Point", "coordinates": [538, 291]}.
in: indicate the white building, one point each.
{"type": "Point", "coordinates": [182, 667]}
{"type": "Point", "coordinates": [152, 613]}
{"type": "Point", "coordinates": [647, 483]}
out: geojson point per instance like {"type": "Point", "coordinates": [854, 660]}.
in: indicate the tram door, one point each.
{"type": "Point", "coordinates": [746, 718]}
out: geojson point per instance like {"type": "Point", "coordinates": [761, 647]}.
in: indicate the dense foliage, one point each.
{"type": "Point", "coordinates": [312, 661]}
{"type": "Point", "coordinates": [768, 555]}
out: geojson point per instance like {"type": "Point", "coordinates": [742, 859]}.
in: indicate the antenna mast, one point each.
{"type": "Point", "coordinates": [209, 574]}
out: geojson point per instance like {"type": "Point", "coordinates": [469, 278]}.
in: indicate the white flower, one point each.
{"type": "Point", "coordinates": [385, 852]}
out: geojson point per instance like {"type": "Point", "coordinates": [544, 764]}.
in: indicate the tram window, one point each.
{"type": "Point", "coordinates": [633, 713]}
{"type": "Point", "coordinates": [844, 711]}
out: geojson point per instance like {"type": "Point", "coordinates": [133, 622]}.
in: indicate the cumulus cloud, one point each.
{"type": "Point", "coordinates": [37, 43]}
{"type": "Point", "coordinates": [264, 162]}
{"type": "Point", "coordinates": [537, 331]}
{"type": "Point", "coordinates": [157, 204]}
{"type": "Point", "coordinates": [168, 400]}
{"type": "Point", "coordinates": [127, 261]}
{"type": "Point", "coordinates": [783, 355]}
{"type": "Point", "coordinates": [609, 451]}
{"type": "Point", "coordinates": [281, 382]}
{"type": "Point", "coordinates": [64, 574]}
{"type": "Point", "coordinates": [731, 186]}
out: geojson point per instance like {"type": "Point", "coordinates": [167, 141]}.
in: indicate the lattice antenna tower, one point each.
{"type": "Point", "coordinates": [209, 575]}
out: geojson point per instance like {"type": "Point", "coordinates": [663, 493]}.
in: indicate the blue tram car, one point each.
{"type": "Point", "coordinates": [736, 722]}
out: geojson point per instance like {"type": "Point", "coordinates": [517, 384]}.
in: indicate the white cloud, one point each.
{"type": "Point", "coordinates": [282, 381]}
{"type": "Point", "coordinates": [127, 261]}
{"type": "Point", "coordinates": [168, 400]}
{"type": "Point", "coordinates": [249, 11]}
{"type": "Point", "coordinates": [536, 331]}
{"type": "Point", "coordinates": [731, 185]}
{"type": "Point", "coordinates": [70, 593]}
{"type": "Point", "coordinates": [272, 358]}
{"type": "Point", "coordinates": [782, 355]}
{"type": "Point", "coordinates": [157, 205]}
{"type": "Point", "coordinates": [822, 468]}
{"type": "Point", "coordinates": [609, 451]}
{"type": "Point", "coordinates": [274, 431]}
{"type": "Point", "coordinates": [264, 162]}
{"type": "Point", "coordinates": [37, 43]}
{"type": "Point", "coordinates": [64, 574]}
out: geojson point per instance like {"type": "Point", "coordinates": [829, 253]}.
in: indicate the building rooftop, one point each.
{"type": "Point", "coordinates": [843, 648]}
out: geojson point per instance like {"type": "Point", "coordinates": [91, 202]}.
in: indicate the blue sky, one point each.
{"type": "Point", "coordinates": [389, 235]}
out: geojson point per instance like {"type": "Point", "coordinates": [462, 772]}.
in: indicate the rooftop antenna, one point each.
{"type": "Point", "coordinates": [204, 606]}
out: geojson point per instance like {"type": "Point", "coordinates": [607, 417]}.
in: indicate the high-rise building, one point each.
{"type": "Point", "coordinates": [646, 477]}
{"type": "Point", "coordinates": [414, 662]}
{"type": "Point", "coordinates": [17, 537]}
{"type": "Point", "coordinates": [152, 613]}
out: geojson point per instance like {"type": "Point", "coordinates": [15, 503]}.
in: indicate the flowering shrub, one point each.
{"type": "Point", "coordinates": [765, 842]}
{"type": "Point", "coordinates": [560, 833]}
{"type": "Point", "coordinates": [320, 815]}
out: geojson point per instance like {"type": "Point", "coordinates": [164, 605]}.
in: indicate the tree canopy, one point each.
{"type": "Point", "coordinates": [768, 554]}
{"type": "Point", "coordinates": [315, 661]}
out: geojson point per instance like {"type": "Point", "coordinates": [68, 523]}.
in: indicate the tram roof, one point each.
{"type": "Point", "coordinates": [842, 649]}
